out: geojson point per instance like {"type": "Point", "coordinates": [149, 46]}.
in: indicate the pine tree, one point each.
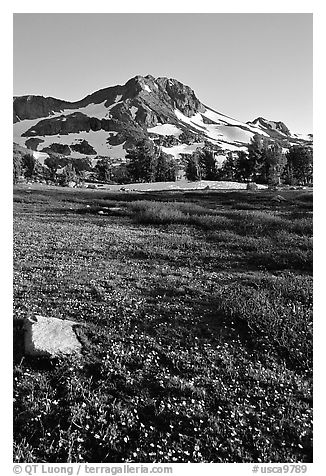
{"type": "Point", "coordinates": [274, 163]}
{"type": "Point", "coordinates": [299, 167]}
{"type": "Point", "coordinates": [208, 164]}
{"type": "Point", "coordinates": [255, 151]}
{"type": "Point", "coordinates": [120, 174]}
{"type": "Point", "coordinates": [103, 170]}
{"type": "Point", "coordinates": [228, 170]}
{"type": "Point", "coordinates": [17, 169]}
{"type": "Point", "coordinates": [68, 175]}
{"type": "Point", "coordinates": [29, 165]}
{"type": "Point", "coordinates": [193, 168]}
{"type": "Point", "coordinates": [166, 168]}
{"type": "Point", "coordinates": [266, 161]}
{"type": "Point", "coordinates": [53, 163]}
{"type": "Point", "coordinates": [142, 163]}
{"type": "Point", "coordinates": [244, 166]}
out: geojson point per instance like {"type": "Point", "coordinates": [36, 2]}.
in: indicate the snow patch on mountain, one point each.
{"type": "Point", "coordinates": [165, 130]}
{"type": "Point", "coordinates": [92, 110]}
{"type": "Point", "coordinates": [176, 150]}
{"type": "Point", "coordinates": [40, 156]}
{"type": "Point", "coordinates": [147, 88]}
{"type": "Point", "coordinates": [196, 120]}
{"type": "Point", "coordinates": [307, 137]}
{"type": "Point", "coordinates": [222, 119]}
{"type": "Point", "coordinates": [20, 127]}
{"type": "Point", "coordinates": [235, 134]}
{"type": "Point", "coordinates": [220, 133]}
{"type": "Point", "coordinates": [100, 111]}
{"type": "Point", "coordinates": [133, 111]}
{"type": "Point", "coordinates": [227, 146]}
{"type": "Point", "coordinates": [117, 151]}
{"type": "Point", "coordinates": [97, 140]}
{"type": "Point", "coordinates": [219, 118]}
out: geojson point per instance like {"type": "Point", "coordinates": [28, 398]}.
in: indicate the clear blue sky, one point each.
{"type": "Point", "coordinates": [244, 65]}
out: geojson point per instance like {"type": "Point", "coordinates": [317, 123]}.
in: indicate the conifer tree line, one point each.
{"type": "Point", "coordinates": [145, 162]}
{"type": "Point", "coordinates": [265, 162]}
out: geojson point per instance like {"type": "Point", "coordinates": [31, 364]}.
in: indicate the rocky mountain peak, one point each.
{"type": "Point", "coordinates": [172, 93]}
{"type": "Point", "coordinates": [182, 96]}
{"type": "Point", "coordinates": [277, 126]}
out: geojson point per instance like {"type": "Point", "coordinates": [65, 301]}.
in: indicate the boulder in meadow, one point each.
{"type": "Point", "coordinates": [50, 337]}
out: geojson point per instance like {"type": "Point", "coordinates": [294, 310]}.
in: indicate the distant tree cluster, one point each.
{"type": "Point", "coordinates": [264, 163]}
{"type": "Point", "coordinates": [202, 165]}
{"type": "Point", "coordinates": [25, 166]}
{"type": "Point", "coordinates": [299, 166]}
{"type": "Point", "coordinates": [56, 169]}
{"type": "Point", "coordinates": [148, 163]}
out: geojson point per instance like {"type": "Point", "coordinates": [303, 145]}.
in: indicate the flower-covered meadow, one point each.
{"type": "Point", "coordinates": [198, 336]}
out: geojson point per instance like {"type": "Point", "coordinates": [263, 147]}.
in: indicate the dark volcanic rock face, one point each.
{"type": "Point", "coordinates": [62, 149]}
{"type": "Point", "coordinates": [63, 125]}
{"type": "Point", "coordinates": [33, 143]}
{"type": "Point", "coordinates": [280, 126]}
{"type": "Point", "coordinates": [181, 96]}
{"type": "Point", "coordinates": [127, 137]}
{"type": "Point", "coordinates": [83, 147]}
{"type": "Point", "coordinates": [148, 118]}
{"type": "Point", "coordinates": [33, 107]}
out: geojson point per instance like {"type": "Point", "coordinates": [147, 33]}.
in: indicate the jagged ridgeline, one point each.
{"type": "Point", "coordinates": [108, 122]}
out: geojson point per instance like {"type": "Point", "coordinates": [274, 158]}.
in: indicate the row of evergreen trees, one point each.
{"type": "Point", "coordinates": [145, 162]}
{"type": "Point", "coordinates": [27, 167]}
{"type": "Point", "coordinates": [264, 163]}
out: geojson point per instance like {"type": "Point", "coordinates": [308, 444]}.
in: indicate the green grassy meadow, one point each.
{"type": "Point", "coordinates": [198, 336]}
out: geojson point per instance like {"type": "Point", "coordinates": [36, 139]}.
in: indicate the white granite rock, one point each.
{"type": "Point", "coordinates": [51, 337]}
